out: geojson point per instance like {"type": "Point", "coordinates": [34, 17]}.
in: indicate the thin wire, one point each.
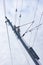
{"type": "Point", "coordinates": [20, 15]}
{"type": "Point", "coordinates": [37, 30]}
{"type": "Point", "coordinates": [34, 16]}
{"type": "Point", "coordinates": [36, 27]}
{"type": "Point", "coordinates": [24, 53]}
{"type": "Point", "coordinates": [7, 31]}
{"type": "Point", "coordinates": [16, 12]}
{"type": "Point", "coordinates": [34, 13]}
{"type": "Point", "coordinates": [4, 6]}
{"type": "Point", "coordinates": [35, 35]}
{"type": "Point", "coordinates": [25, 24]}
{"type": "Point", "coordinates": [36, 9]}
{"type": "Point", "coordinates": [16, 4]}
{"type": "Point", "coordinates": [9, 44]}
{"type": "Point", "coordinates": [30, 38]}
{"type": "Point", "coordinates": [15, 18]}
{"type": "Point", "coordinates": [28, 29]}
{"type": "Point", "coordinates": [41, 17]}
{"type": "Point", "coordinates": [21, 7]}
{"type": "Point", "coordinates": [21, 26]}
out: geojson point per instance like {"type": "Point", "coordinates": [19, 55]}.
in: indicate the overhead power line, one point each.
{"type": "Point", "coordinates": [25, 24]}
{"type": "Point", "coordinates": [34, 17]}
{"type": "Point", "coordinates": [28, 28]}
{"type": "Point", "coordinates": [16, 11]}
{"type": "Point", "coordinates": [20, 15]}
{"type": "Point", "coordinates": [4, 5]}
{"type": "Point", "coordinates": [36, 9]}
{"type": "Point", "coordinates": [23, 52]}
{"type": "Point", "coordinates": [9, 44]}
{"type": "Point", "coordinates": [37, 29]}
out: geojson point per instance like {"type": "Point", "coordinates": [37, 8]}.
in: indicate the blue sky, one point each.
{"type": "Point", "coordinates": [18, 51]}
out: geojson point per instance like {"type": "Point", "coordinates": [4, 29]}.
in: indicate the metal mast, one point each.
{"type": "Point", "coordinates": [29, 49]}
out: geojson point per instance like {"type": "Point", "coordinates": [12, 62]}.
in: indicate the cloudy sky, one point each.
{"type": "Point", "coordinates": [31, 10]}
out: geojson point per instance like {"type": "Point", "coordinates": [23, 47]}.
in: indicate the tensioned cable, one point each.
{"type": "Point", "coordinates": [37, 30]}
{"type": "Point", "coordinates": [28, 29]}
{"type": "Point", "coordinates": [21, 26]}
{"type": "Point", "coordinates": [4, 6]}
{"type": "Point", "coordinates": [7, 31]}
{"type": "Point", "coordinates": [16, 4]}
{"type": "Point", "coordinates": [20, 12]}
{"type": "Point", "coordinates": [33, 19]}
{"type": "Point", "coordinates": [25, 24]}
{"type": "Point", "coordinates": [16, 10]}
{"type": "Point", "coordinates": [21, 7]}
{"type": "Point", "coordinates": [23, 53]}
{"type": "Point", "coordinates": [9, 43]}
{"type": "Point", "coordinates": [35, 15]}
{"type": "Point", "coordinates": [36, 9]}
{"type": "Point", "coordinates": [35, 27]}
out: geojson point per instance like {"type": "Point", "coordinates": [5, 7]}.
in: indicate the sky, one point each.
{"type": "Point", "coordinates": [18, 52]}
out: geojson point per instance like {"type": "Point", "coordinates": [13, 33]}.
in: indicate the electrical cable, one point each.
{"type": "Point", "coordinates": [34, 16]}
{"type": "Point", "coordinates": [9, 44]}
{"type": "Point", "coordinates": [30, 38]}
{"type": "Point", "coordinates": [28, 29]}
{"type": "Point", "coordinates": [25, 24]}
{"type": "Point", "coordinates": [21, 26]}
{"type": "Point", "coordinates": [20, 12]}
{"type": "Point", "coordinates": [37, 29]}
{"type": "Point", "coordinates": [16, 10]}
{"type": "Point", "coordinates": [16, 4]}
{"type": "Point", "coordinates": [34, 13]}
{"type": "Point", "coordinates": [23, 52]}
{"type": "Point", "coordinates": [4, 6]}
{"type": "Point", "coordinates": [36, 9]}
{"type": "Point", "coordinates": [7, 31]}
{"type": "Point", "coordinates": [20, 15]}
{"type": "Point", "coordinates": [35, 34]}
